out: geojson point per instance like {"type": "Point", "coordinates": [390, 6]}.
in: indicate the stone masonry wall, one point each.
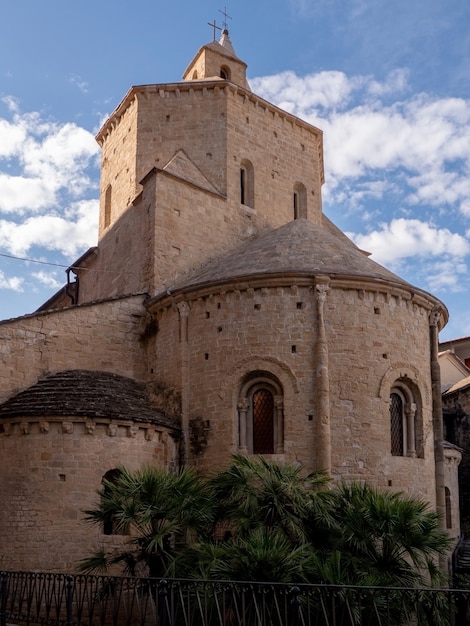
{"type": "Point", "coordinates": [225, 125]}
{"type": "Point", "coordinates": [118, 165]}
{"type": "Point", "coordinates": [49, 473]}
{"type": "Point", "coordinates": [456, 406]}
{"type": "Point", "coordinates": [283, 152]}
{"type": "Point", "coordinates": [382, 338]}
{"type": "Point", "coordinates": [375, 338]}
{"type": "Point", "coordinates": [100, 337]}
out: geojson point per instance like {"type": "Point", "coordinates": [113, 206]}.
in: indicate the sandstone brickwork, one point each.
{"type": "Point", "coordinates": [239, 318]}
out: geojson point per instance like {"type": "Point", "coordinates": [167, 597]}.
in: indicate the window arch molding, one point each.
{"type": "Point", "coordinates": [225, 72]}
{"type": "Point", "coordinates": [406, 425]}
{"type": "Point", "coordinates": [300, 200]}
{"type": "Point", "coordinates": [261, 414]}
{"type": "Point", "coordinates": [109, 524]}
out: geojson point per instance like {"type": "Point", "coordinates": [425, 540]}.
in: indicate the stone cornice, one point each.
{"type": "Point", "coordinates": [190, 87]}
{"type": "Point", "coordinates": [405, 292]}
{"type": "Point", "coordinates": [90, 426]}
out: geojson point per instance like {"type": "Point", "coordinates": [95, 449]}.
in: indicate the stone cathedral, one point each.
{"type": "Point", "coordinates": [221, 312]}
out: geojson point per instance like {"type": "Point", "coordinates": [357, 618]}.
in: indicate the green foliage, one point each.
{"type": "Point", "coordinates": [385, 538]}
{"type": "Point", "coordinates": [163, 512]}
{"type": "Point", "coordinates": [260, 521]}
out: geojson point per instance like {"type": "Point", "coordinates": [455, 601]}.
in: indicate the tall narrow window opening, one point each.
{"type": "Point", "coordinates": [263, 422]}
{"type": "Point", "coordinates": [261, 415]}
{"type": "Point", "coordinates": [396, 424]}
{"type": "Point", "coordinates": [448, 508]}
{"type": "Point", "coordinates": [109, 523]}
{"type": "Point", "coordinates": [242, 185]}
{"type": "Point", "coordinates": [296, 205]}
{"type": "Point", "coordinates": [300, 201]}
{"type": "Point", "coordinates": [225, 72]}
{"type": "Point", "coordinates": [247, 184]}
{"type": "Point", "coordinates": [107, 206]}
{"type": "Point", "coordinates": [405, 420]}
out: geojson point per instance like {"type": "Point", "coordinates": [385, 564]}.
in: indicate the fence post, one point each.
{"type": "Point", "coordinates": [3, 598]}
{"type": "Point", "coordinates": [69, 598]}
{"type": "Point", "coordinates": [295, 604]}
{"type": "Point", "coordinates": [163, 594]}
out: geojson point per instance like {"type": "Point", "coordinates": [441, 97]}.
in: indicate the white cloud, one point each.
{"type": "Point", "coordinates": [447, 276]}
{"type": "Point", "coordinates": [13, 136]}
{"type": "Point", "coordinates": [68, 234]}
{"type": "Point", "coordinates": [78, 81]}
{"type": "Point", "coordinates": [302, 94]}
{"type": "Point", "coordinates": [48, 279]}
{"type": "Point", "coordinates": [372, 133]}
{"type": "Point", "coordinates": [15, 283]}
{"type": "Point", "coordinates": [396, 82]}
{"type": "Point", "coordinates": [42, 161]}
{"type": "Point", "coordinates": [406, 238]}
{"type": "Point", "coordinates": [20, 193]}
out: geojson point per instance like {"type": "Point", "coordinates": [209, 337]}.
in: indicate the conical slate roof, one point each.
{"type": "Point", "coordinates": [84, 393]}
{"type": "Point", "coordinates": [296, 248]}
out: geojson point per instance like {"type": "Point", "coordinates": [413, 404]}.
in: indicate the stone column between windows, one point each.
{"type": "Point", "coordinates": [410, 414]}
{"type": "Point", "coordinates": [278, 424]}
{"type": "Point", "coordinates": [437, 419]}
{"type": "Point", "coordinates": [242, 407]}
{"type": "Point", "coordinates": [184, 310]}
{"type": "Point", "coordinates": [322, 381]}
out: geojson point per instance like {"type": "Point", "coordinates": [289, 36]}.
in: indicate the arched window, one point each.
{"type": "Point", "coordinates": [195, 75]}
{"type": "Point", "coordinates": [300, 201]}
{"type": "Point", "coordinates": [261, 415]}
{"type": "Point", "coordinates": [225, 72]}
{"type": "Point", "coordinates": [448, 508]}
{"type": "Point", "coordinates": [109, 524]}
{"type": "Point", "coordinates": [107, 206]}
{"type": "Point", "coordinates": [247, 184]}
{"type": "Point", "coordinates": [405, 420]}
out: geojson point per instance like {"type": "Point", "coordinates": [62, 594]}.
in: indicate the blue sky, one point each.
{"type": "Point", "coordinates": [387, 82]}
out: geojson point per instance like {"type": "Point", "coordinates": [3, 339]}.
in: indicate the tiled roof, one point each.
{"type": "Point", "coordinates": [298, 247]}
{"type": "Point", "coordinates": [76, 393]}
{"type": "Point", "coordinates": [461, 384]}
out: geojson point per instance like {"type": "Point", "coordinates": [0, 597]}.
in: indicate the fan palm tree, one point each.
{"type": "Point", "coordinates": [255, 493]}
{"type": "Point", "coordinates": [161, 511]}
{"type": "Point", "coordinates": [384, 538]}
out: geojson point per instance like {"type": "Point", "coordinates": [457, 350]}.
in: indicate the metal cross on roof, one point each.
{"type": "Point", "coordinates": [226, 15]}
{"type": "Point", "coordinates": [214, 26]}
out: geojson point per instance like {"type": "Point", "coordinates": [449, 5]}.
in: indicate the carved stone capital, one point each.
{"type": "Point", "coordinates": [90, 427]}
{"type": "Point", "coordinates": [243, 404]}
{"type": "Point", "coordinates": [132, 431]}
{"type": "Point", "coordinates": [321, 291]}
{"type": "Point", "coordinates": [67, 428]}
{"type": "Point", "coordinates": [183, 309]}
{"type": "Point", "coordinates": [279, 402]}
{"type": "Point", "coordinates": [434, 317]}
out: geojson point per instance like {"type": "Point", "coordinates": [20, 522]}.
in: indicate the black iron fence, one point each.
{"type": "Point", "coordinates": [40, 599]}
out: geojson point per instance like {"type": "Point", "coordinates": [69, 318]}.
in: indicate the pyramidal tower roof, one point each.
{"type": "Point", "coordinates": [218, 60]}
{"type": "Point", "coordinates": [226, 42]}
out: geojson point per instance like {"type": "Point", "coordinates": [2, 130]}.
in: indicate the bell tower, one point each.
{"type": "Point", "coordinates": [192, 169]}
{"type": "Point", "coordinates": [218, 60]}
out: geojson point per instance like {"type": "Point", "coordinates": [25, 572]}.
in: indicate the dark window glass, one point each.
{"type": "Point", "coordinates": [263, 422]}
{"type": "Point", "coordinates": [396, 424]}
